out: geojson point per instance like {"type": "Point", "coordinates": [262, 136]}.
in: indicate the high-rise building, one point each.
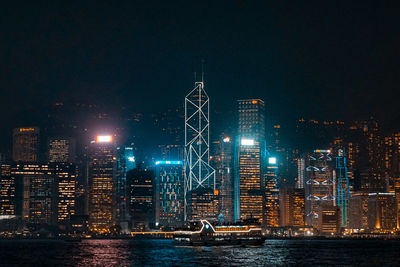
{"type": "Point", "coordinates": [329, 221]}
{"type": "Point", "coordinates": [125, 162]}
{"type": "Point", "coordinates": [382, 212]}
{"type": "Point", "coordinates": [224, 168]}
{"type": "Point", "coordinates": [65, 175]}
{"type": "Point", "coordinates": [250, 159]}
{"type": "Point", "coordinates": [25, 144]}
{"type": "Point", "coordinates": [102, 168]}
{"type": "Point", "coordinates": [271, 193]}
{"type": "Point", "coordinates": [61, 149]}
{"type": "Point", "coordinates": [38, 193]}
{"type": "Point", "coordinates": [141, 198]}
{"type": "Point", "coordinates": [291, 207]}
{"type": "Point", "coordinates": [197, 170]}
{"type": "Point", "coordinates": [11, 190]}
{"type": "Point", "coordinates": [358, 210]}
{"type": "Point", "coordinates": [319, 185]}
{"type": "Point", "coordinates": [169, 194]}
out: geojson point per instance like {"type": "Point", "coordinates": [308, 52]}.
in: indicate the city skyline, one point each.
{"type": "Point", "coordinates": [199, 133]}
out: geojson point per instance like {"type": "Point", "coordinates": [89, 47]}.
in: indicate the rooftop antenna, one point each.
{"type": "Point", "coordinates": [202, 70]}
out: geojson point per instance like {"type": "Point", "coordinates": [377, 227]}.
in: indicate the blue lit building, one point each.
{"type": "Point", "coordinates": [169, 207]}
{"type": "Point", "coordinates": [342, 186]}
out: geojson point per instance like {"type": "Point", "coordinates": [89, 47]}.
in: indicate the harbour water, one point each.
{"type": "Point", "coordinates": [165, 253]}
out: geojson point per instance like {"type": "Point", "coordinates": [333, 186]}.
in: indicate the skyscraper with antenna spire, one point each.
{"type": "Point", "coordinates": [199, 176]}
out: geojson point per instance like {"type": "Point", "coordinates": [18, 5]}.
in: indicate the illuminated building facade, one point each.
{"type": "Point", "coordinates": [11, 188]}
{"type": "Point", "coordinates": [25, 144]}
{"type": "Point", "coordinates": [392, 167]}
{"type": "Point", "coordinates": [291, 207]}
{"type": "Point", "coordinates": [319, 185]}
{"type": "Point", "coordinates": [250, 160]}
{"type": "Point", "coordinates": [358, 210]}
{"type": "Point", "coordinates": [204, 203]}
{"type": "Point", "coordinates": [342, 186]}
{"type": "Point", "coordinates": [223, 164]}
{"type": "Point", "coordinates": [169, 207]}
{"type": "Point", "coordinates": [141, 198]}
{"type": "Point", "coordinates": [197, 170]}
{"type": "Point", "coordinates": [61, 150]}
{"type": "Point", "coordinates": [102, 166]}
{"type": "Point", "coordinates": [382, 214]}
{"type": "Point", "coordinates": [329, 221]}
{"type": "Point", "coordinates": [271, 193]}
{"type": "Point", "coordinates": [65, 181]}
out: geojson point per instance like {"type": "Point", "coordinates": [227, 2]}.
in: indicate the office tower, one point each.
{"type": "Point", "coordinates": [141, 198]}
{"type": "Point", "coordinates": [101, 183]}
{"type": "Point", "coordinates": [329, 221]}
{"type": "Point", "coordinates": [342, 186]}
{"type": "Point", "coordinates": [358, 210]}
{"type": "Point", "coordinates": [291, 207]}
{"type": "Point", "coordinates": [38, 193]}
{"type": "Point", "coordinates": [25, 144]}
{"type": "Point", "coordinates": [61, 149]}
{"type": "Point", "coordinates": [223, 164]}
{"type": "Point", "coordinates": [197, 170]}
{"type": "Point", "coordinates": [271, 193]}
{"type": "Point", "coordinates": [250, 158]}
{"type": "Point", "coordinates": [169, 206]}
{"type": "Point", "coordinates": [366, 157]}
{"type": "Point", "coordinates": [301, 170]}
{"type": "Point", "coordinates": [298, 207]}
{"type": "Point", "coordinates": [204, 203]}
{"type": "Point", "coordinates": [392, 167]}
{"type": "Point", "coordinates": [125, 162]}
{"type": "Point", "coordinates": [11, 189]}
{"type": "Point", "coordinates": [319, 185]}
{"type": "Point", "coordinates": [65, 175]}
{"type": "Point", "coordinates": [171, 152]}
{"type": "Point", "coordinates": [382, 214]}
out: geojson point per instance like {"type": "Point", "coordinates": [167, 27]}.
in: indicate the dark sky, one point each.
{"type": "Point", "coordinates": [314, 60]}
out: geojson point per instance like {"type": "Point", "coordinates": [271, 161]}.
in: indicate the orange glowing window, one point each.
{"type": "Point", "coordinates": [254, 101]}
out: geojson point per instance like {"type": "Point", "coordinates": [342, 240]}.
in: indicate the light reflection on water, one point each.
{"type": "Point", "coordinates": [163, 252]}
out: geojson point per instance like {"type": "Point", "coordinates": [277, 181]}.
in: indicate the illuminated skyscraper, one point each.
{"type": "Point", "coordinates": [65, 175]}
{"type": "Point", "coordinates": [250, 160]}
{"type": "Point", "coordinates": [197, 170]}
{"type": "Point", "coordinates": [342, 186]}
{"type": "Point", "coordinates": [271, 193]}
{"type": "Point", "coordinates": [224, 168]}
{"type": "Point", "coordinates": [61, 150]}
{"type": "Point", "coordinates": [169, 193]}
{"type": "Point", "coordinates": [141, 198]}
{"type": "Point", "coordinates": [319, 185]}
{"type": "Point", "coordinates": [25, 144]}
{"type": "Point", "coordinates": [101, 182]}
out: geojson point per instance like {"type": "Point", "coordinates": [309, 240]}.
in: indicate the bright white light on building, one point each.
{"type": "Point", "coordinates": [131, 159]}
{"type": "Point", "coordinates": [227, 139]}
{"type": "Point", "coordinates": [272, 160]}
{"type": "Point", "coordinates": [104, 139]}
{"type": "Point", "coordinates": [169, 162]}
{"type": "Point", "coordinates": [247, 142]}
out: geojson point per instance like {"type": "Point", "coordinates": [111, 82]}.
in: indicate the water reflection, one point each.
{"type": "Point", "coordinates": [101, 253]}
{"type": "Point", "coordinates": [163, 252]}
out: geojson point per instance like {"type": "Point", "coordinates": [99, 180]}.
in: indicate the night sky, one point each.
{"type": "Point", "coordinates": [313, 60]}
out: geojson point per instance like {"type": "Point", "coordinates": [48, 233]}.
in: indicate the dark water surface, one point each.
{"type": "Point", "coordinates": [163, 252]}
